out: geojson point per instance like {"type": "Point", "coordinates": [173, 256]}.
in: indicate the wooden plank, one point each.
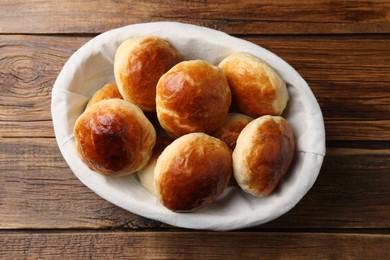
{"type": "Point", "coordinates": [194, 245]}
{"type": "Point", "coordinates": [26, 129]}
{"type": "Point", "coordinates": [374, 130]}
{"type": "Point", "coordinates": [350, 187]}
{"type": "Point", "coordinates": [349, 76]}
{"type": "Point", "coordinates": [29, 67]}
{"type": "Point", "coordinates": [235, 17]}
{"type": "Point", "coordinates": [38, 190]}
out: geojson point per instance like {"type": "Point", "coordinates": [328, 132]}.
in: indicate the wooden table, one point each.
{"type": "Point", "coordinates": [341, 48]}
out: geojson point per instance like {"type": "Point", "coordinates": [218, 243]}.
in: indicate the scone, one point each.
{"type": "Point", "coordinates": [231, 128]}
{"type": "Point", "coordinates": [146, 174]}
{"type": "Point", "coordinates": [257, 89]}
{"type": "Point", "coordinates": [193, 96]}
{"type": "Point", "coordinates": [139, 64]}
{"type": "Point", "coordinates": [108, 91]}
{"type": "Point", "coordinates": [113, 137]}
{"type": "Point", "coordinates": [263, 154]}
{"type": "Point", "coordinates": [192, 172]}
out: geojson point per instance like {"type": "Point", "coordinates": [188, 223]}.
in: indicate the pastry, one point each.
{"type": "Point", "coordinates": [108, 91]}
{"type": "Point", "coordinates": [231, 128]}
{"type": "Point", "coordinates": [263, 154]}
{"type": "Point", "coordinates": [257, 89]}
{"type": "Point", "coordinates": [113, 137]}
{"type": "Point", "coordinates": [193, 96]}
{"type": "Point", "coordinates": [192, 172]}
{"type": "Point", "coordinates": [139, 64]}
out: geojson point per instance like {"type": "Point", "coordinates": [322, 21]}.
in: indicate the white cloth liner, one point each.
{"type": "Point", "coordinates": [90, 67]}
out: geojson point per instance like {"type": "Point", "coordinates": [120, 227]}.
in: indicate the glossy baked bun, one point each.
{"type": "Point", "coordinates": [192, 172]}
{"type": "Point", "coordinates": [108, 91]}
{"type": "Point", "coordinates": [263, 154]}
{"type": "Point", "coordinates": [193, 96]}
{"type": "Point", "coordinates": [256, 88]}
{"type": "Point", "coordinates": [113, 137]}
{"type": "Point", "coordinates": [231, 128]}
{"type": "Point", "coordinates": [146, 174]}
{"type": "Point", "coordinates": [139, 63]}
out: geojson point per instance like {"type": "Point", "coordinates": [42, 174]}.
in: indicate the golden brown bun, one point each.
{"type": "Point", "coordinates": [256, 88]}
{"type": "Point", "coordinates": [113, 137]}
{"type": "Point", "coordinates": [263, 154]}
{"type": "Point", "coordinates": [139, 64]}
{"type": "Point", "coordinates": [193, 96]}
{"type": "Point", "coordinates": [192, 172]}
{"type": "Point", "coordinates": [146, 174]}
{"type": "Point", "coordinates": [108, 91]}
{"type": "Point", "coordinates": [231, 128]}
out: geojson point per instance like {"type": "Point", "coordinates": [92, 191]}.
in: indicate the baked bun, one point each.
{"type": "Point", "coordinates": [256, 88]}
{"type": "Point", "coordinates": [108, 91]}
{"type": "Point", "coordinates": [231, 128]}
{"type": "Point", "coordinates": [139, 63]}
{"type": "Point", "coordinates": [192, 172]}
{"type": "Point", "coordinates": [146, 174]}
{"type": "Point", "coordinates": [263, 154]}
{"type": "Point", "coordinates": [113, 137]}
{"type": "Point", "coordinates": [193, 96]}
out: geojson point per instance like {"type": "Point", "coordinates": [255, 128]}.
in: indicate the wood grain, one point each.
{"type": "Point", "coordinates": [349, 186]}
{"type": "Point", "coordinates": [235, 17]}
{"type": "Point", "coordinates": [190, 245]}
{"type": "Point", "coordinates": [38, 190]}
{"type": "Point", "coordinates": [29, 68]}
{"type": "Point", "coordinates": [349, 76]}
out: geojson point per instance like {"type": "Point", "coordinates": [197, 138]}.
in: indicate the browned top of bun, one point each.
{"type": "Point", "coordinates": [257, 89]}
{"type": "Point", "coordinates": [231, 128]}
{"type": "Point", "coordinates": [192, 172]}
{"type": "Point", "coordinates": [108, 91]}
{"type": "Point", "coordinates": [263, 155]}
{"type": "Point", "coordinates": [139, 64]}
{"type": "Point", "coordinates": [193, 96]}
{"type": "Point", "coordinates": [113, 137]}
